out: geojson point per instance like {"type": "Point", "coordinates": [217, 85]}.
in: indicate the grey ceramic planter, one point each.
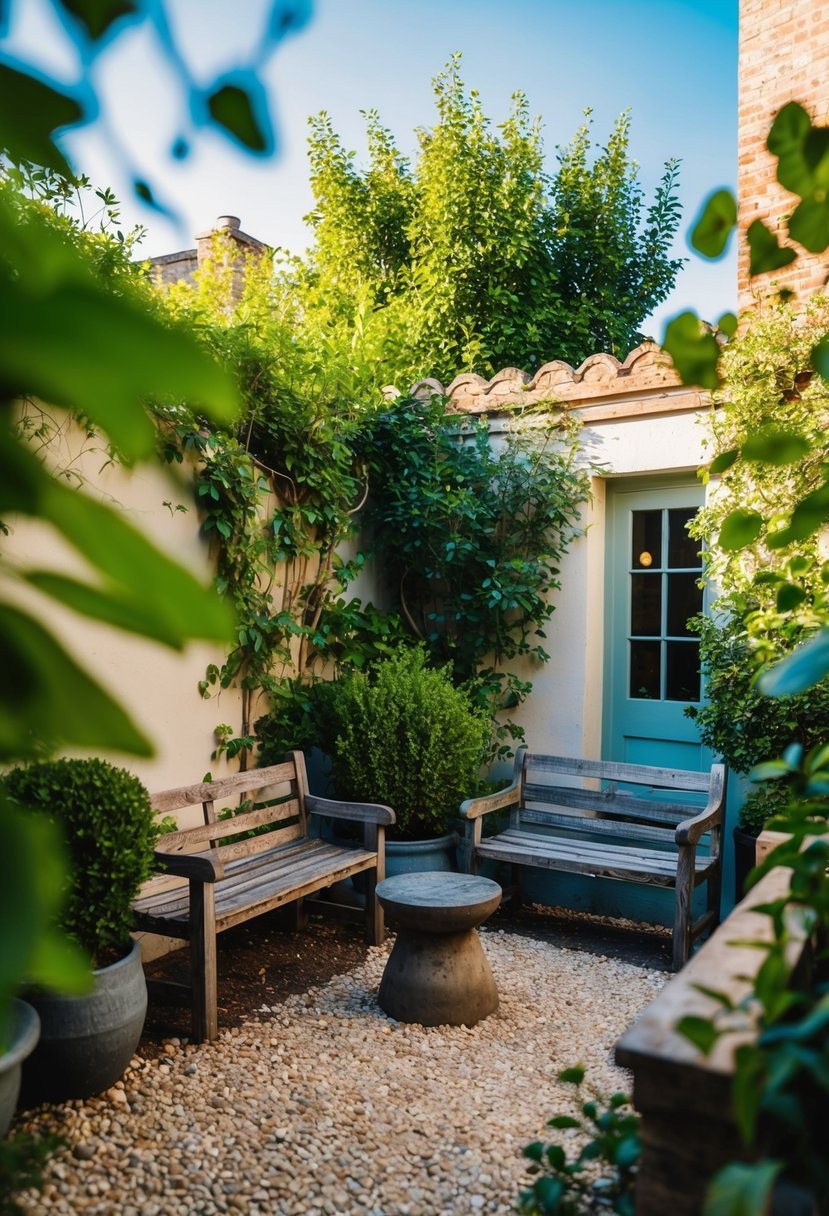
{"type": "Point", "coordinates": [86, 1042]}
{"type": "Point", "coordinates": [24, 1030]}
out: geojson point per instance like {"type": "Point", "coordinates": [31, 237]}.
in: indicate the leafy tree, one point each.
{"type": "Point", "coordinates": [474, 258]}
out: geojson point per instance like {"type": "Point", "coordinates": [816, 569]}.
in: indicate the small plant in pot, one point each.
{"type": "Point", "coordinates": [105, 817]}
{"type": "Point", "coordinates": [404, 735]}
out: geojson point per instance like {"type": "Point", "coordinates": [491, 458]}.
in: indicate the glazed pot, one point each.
{"type": "Point", "coordinates": [417, 856]}
{"type": "Point", "coordinates": [86, 1042]}
{"type": "Point", "coordinates": [23, 1033]}
{"type": "Point", "coordinates": [745, 851]}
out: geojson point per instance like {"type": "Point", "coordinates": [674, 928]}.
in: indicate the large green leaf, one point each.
{"type": "Point", "coordinates": [800, 670]}
{"type": "Point", "coordinates": [739, 529]}
{"type": "Point", "coordinates": [742, 1190]}
{"type": "Point", "coordinates": [121, 609]}
{"type": "Point", "coordinates": [48, 700]}
{"type": "Point", "coordinates": [786, 141]}
{"type": "Point", "coordinates": [809, 225]}
{"type": "Point", "coordinates": [694, 350]}
{"type": "Point", "coordinates": [773, 446]}
{"type": "Point", "coordinates": [125, 557]}
{"type": "Point", "coordinates": [31, 111]}
{"type": "Point", "coordinates": [46, 351]}
{"type": "Point", "coordinates": [765, 252]}
{"type": "Point", "coordinates": [717, 220]}
{"type": "Point", "coordinates": [33, 876]}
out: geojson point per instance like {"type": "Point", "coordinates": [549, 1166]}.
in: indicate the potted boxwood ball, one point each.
{"type": "Point", "coordinates": [406, 737]}
{"type": "Point", "coordinates": [110, 831]}
{"type": "Point", "coordinates": [760, 806]}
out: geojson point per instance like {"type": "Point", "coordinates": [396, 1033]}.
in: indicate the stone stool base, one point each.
{"type": "Point", "coordinates": [437, 973]}
{"type": "Point", "coordinates": [438, 981]}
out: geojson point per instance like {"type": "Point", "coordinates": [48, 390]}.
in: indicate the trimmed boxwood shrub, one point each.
{"type": "Point", "coordinates": [406, 736]}
{"type": "Point", "coordinates": [110, 831]}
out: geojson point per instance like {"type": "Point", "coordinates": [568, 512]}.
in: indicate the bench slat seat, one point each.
{"type": "Point", "coordinates": [600, 859]}
{"type": "Point", "coordinates": [580, 817]}
{"type": "Point", "coordinates": [225, 871]}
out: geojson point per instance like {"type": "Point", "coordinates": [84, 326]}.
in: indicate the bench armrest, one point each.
{"type": "Point", "coordinates": [473, 808]}
{"type": "Point", "coordinates": [690, 830]}
{"type": "Point", "coordinates": [362, 812]}
{"type": "Point", "coordinates": [204, 867]}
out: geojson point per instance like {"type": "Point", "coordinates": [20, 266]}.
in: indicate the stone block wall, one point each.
{"type": "Point", "coordinates": [784, 56]}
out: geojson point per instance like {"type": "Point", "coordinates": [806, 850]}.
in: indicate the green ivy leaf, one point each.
{"type": "Point", "coordinates": [724, 461]}
{"type": "Point", "coordinates": [97, 16]}
{"type": "Point", "coordinates": [809, 225]}
{"type": "Point", "coordinates": [31, 112]}
{"type": "Point", "coordinates": [776, 447]}
{"type": "Point", "coordinates": [765, 251]}
{"type": "Point", "coordinates": [789, 597]}
{"type": "Point", "coordinates": [231, 108]}
{"type": "Point", "coordinates": [742, 1190]}
{"type": "Point", "coordinates": [786, 141]}
{"type": "Point", "coordinates": [694, 350]}
{"type": "Point", "coordinates": [700, 1031]}
{"type": "Point", "coordinates": [739, 529]}
{"type": "Point", "coordinates": [727, 324]}
{"type": "Point", "coordinates": [820, 358]}
{"type": "Point", "coordinates": [800, 670]}
{"type": "Point", "coordinates": [714, 225]}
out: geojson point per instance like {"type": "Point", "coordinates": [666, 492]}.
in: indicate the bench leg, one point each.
{"type": "Point", "coordinates": [203, 960]}
{"type": "Point", "coordinates": [299, 916]}
{"type": "Point", "coordinates": [374, 840]}
{"type": "Point", "coordinates": [682, 908]}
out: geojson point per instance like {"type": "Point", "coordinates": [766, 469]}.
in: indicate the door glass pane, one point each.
{"type": "Point", "coordinates": [682, 671]}
{"type": "Point", "coordinates": [645, 670]}
{"type": "Point", "coordinates": [647, 540]}
{"type": "Point", "coordinates": [683, 550]}
{"type": "Point", "coordinates": [646, 605]}
{"type": "Point", "coordinates": [684, 601]}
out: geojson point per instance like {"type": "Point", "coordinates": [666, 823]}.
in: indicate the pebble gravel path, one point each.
{"type": "Point", "coordinates": [323, 1105]}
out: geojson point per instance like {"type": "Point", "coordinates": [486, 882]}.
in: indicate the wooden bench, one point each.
{"type": "Point", "coordinates": [228, 873]}
{"type": "Point", "coordinates": [610, 832]}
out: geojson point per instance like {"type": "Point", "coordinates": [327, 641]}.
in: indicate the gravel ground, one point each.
{"type": "Point", "coordinates": [323, 1105]}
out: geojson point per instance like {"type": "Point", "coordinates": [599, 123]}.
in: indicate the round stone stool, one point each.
{"type": "Point", "coordinates": [437, 973]}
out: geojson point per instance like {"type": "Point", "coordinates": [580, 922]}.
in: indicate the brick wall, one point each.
{"type": "Point", "coordinates": [784, 56]}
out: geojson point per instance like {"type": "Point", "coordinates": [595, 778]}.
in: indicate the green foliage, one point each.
{"type": "Point", "coordinates": [737, 721]}
{"type": "Point", "coordinates": [104, 816]}
{"type": "Point", "coordinates": [22, 1158]}
{"type": "Point", "coordinates": [405, 736]}
{"type": "Point", "coordinates": [470, 533]}
{"type": "Point", "coordinates": [474, 258]}
{"type": "Point", "coordinates": [771, 435]}
{"type": "Point", "coordinates": [601, 1177]}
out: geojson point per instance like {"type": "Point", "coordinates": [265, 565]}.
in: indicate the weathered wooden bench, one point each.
{"type": "Point", "coordinates": [229, 870]}
{"type": "Point", "coordinates": [651, 837]}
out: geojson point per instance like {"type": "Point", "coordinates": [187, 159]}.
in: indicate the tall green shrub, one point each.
{"type": "Point", "coordinates": [407, 737]}
{"type": "Point", "coordinates": [475, 258]}
{"type": "Point", "coordinates": [105, 818]}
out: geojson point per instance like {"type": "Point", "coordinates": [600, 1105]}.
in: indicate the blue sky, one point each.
{"type": "Point", "coordinates": [672, 62]}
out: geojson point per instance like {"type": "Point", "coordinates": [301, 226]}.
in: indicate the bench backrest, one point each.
{"type": "Point", "coordinates": [591, 796]}
{"type": "Point", "coordinates": [270, 798]}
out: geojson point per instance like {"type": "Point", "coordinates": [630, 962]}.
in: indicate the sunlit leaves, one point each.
{"type": "Point", "coordinates": [31, 112]}
{"type": "Point", "coordinates": [693, 349]}
{"type": "Point", "coordinates": [765, 252]}
{"type": "Point", "coordinates": [713, 227]}
{"type": "Point", "coordinates": [700, 1031]}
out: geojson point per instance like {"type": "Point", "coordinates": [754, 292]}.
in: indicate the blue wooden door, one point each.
{"type": "Point", "coordinates": [651, 653]}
